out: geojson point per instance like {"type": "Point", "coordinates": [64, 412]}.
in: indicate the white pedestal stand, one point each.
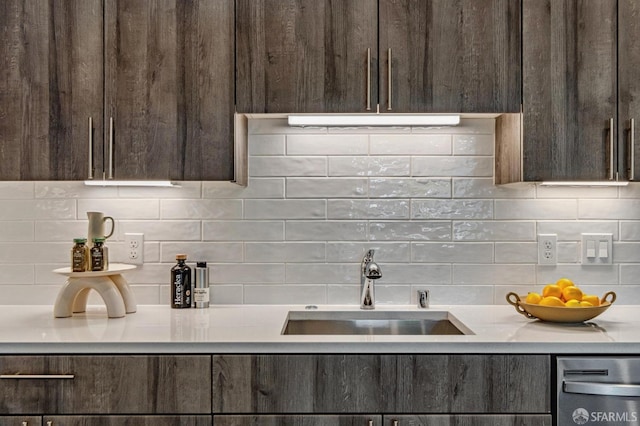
{"type": "Point", "coordinates": [111, 286]}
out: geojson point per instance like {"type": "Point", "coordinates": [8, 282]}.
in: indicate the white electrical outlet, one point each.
{"type": "Point", "coordinates": [134, 247]}
{"type": "Point", "coordinates": [547, 249]}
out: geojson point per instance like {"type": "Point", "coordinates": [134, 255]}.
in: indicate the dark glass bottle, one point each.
{"type": "Point", "coordinates": [181, 283]}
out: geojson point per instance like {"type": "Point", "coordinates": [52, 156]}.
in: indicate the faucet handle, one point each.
{"type": "Point", "coordinates": [423, 299]}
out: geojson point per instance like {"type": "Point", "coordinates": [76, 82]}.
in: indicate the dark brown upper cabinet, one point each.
{"type": "Point", "coordinates": [169, 73]}
{"type": "Point", "coordinates": [51, 82]}
{"type": "Point", "coordinates": [322, 56]}
{"type": "Point", "coordinates": [629, 84]}
{"type": "Point", "coordinates": [569, 89]}
{"type": "Point", "coordinates": [450, 56]}
{"type": "Point", "coordinates": [581, 94]}
{"type": "Point", "coordinates": [153, 80]}
{"type": "Point", "coordinates": [306, 55]}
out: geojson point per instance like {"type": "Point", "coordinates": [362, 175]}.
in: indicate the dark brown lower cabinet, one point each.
{"type": "Point", "coordinates": [366, 384]}
{"type": "Point", "coordinates": [127, 421]}
{"type": "Point", "coordinates": [468, 420]}
{"type": "Point", "coordinates": [301, 420]}
{"type": "Point", "coordinates": [20, 421]}
{"type": "Point", "coordinates": [96, 384]}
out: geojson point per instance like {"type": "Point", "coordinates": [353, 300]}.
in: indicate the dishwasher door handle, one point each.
{"type": "Point", "coordinates": [607, 389]}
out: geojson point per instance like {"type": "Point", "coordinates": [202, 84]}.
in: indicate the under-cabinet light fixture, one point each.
{"type": "Point", "coordinates": [156, 183]}
{"type": "Point", "coordinates": [597, 183]}
{"type": "Point", "coordinates": [373, 120]}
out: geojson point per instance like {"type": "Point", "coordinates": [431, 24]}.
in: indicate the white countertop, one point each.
{"type": "Point", "coordinates": [257, 329]}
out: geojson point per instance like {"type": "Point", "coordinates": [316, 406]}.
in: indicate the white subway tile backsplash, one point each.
{"type": "Point", "coordinates": [495, 274]}
{"type": "Point", "coordinates": [257, 188]}
{"type": "Point", "coordinates": [327, 144]}
{"type": "Point", "coordinates": [452, 166]}
{"type": "Point", "coordinates": [243, 231]}
{"type": "Point", "coordinates": [287, 166]}
{"type": "Point", "coordinates": [326, 231]}
{"type": "Point", "coordinates": [315, 273]}
{"type": "Point", "coordinates": [606, 209]}
{"type": "Point", "coordinates": [121, 208]}
{"type": "Point", "coordinates": [317, 199]}
{"type": "Point", "coordinates": [285, 209]}
{"type": "Point", "coordinates": [289, 294]}
{"type": "Point", "coordinates": [267, 145]}
{"type": "Point", "coordinates": [285, 252]}
{"type": "Point", "coordinates": [415, 144]}
{"type": "Point", "coordinates": [409, 188]}
{"type": "Point", "coordinates": [368, 209]}
{"type": "Point", "coordinates": [202, 252]}
{"type": "Point", "coordinates": [327, 187]}
{"type": "Point", "coordinates": [369, 166]}
{"type": "Point", "coordinates": [572, 230]}
{"type": "Point", "coordinates": [494, 231]}
{"type": "Point", "coordinates": [452, 252]}
{"type": "Point", "coordinates": [473, 144]}
{"type": "Point", "coordinates": [205, 209]}
{"type": "Point", "coordinates": [17, 230]}
{"type": "Point", "coordinates": [17, 190]}
{"type": "Point", "coordinates": [338, 252]}
{"type": "Point", "coordinates": [484, 188]}
{"type": "Point", "coordinates": [410, 231]}
{"type": "Point", "coordinates": [452, 209]}
{"type": "Point", "coordinates": [536, 209]}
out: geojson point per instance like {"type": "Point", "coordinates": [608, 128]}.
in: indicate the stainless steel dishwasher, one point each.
{"type": "Point", "coordinates": [598, 390]}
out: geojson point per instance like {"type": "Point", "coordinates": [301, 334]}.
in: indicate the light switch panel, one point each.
{"type": "Point", "coordinates": [597, 249]}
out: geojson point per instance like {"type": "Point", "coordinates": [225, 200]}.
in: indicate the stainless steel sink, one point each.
{"type": "Point", "coordinates": [374, 323]}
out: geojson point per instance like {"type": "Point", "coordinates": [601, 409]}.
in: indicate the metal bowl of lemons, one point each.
{"type": "Point", "coordinates": [562, 302]}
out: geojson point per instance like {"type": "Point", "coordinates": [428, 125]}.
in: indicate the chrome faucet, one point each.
{"type": "Point", "coordinates": [369, 271]}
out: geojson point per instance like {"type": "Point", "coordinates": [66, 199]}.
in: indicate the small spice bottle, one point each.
{"type": "Point", "coordinates": [79, 255]}
{"type": "Point", "coordinates": [99, 257]}
{"type": "Point", "coordinates": [181, 283]}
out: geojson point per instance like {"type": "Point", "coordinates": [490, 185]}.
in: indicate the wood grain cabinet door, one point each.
{"type": "Point", "coordinates": [468, 420]}
{"type": "Point", "coordinates": [450, 56]}
{"type": "Point", "coordinates": [306, 55]}
{"type": "Point", "coordinates": [300, 420]}
{"type": "Point", "coordinates": [50, 84]}
{"type": "Point", "coordinates": [498, 384]}
{"type": "Point", "coordinates": [169, 78]}
{"type": "Point", "coordinates": [629, 84]}
{"type": "Point", "coordinates": [569, 88]}
{"type": "Point", "coordinates": [128, 420]}
{"type": "Point", "coordinates": [20, 421]}
{"type": "Point", "coordinates": [122, 384]}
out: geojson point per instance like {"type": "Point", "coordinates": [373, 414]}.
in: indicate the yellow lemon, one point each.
{"type": "Point", "coordinates": [591, 298]}
{"type": "Point", "coordinates": [564, 282]}
{"type": "Point", "coordinates": [552, 290]}
{"type": "Point", "coordinates": [571, 292]}
{"type": "Point", "coordinates": [533, 298]}
{"type": "Point", "coordinates": [585, 304]}
{"type": "Point", "coordinates": [573, 303]}
{"type": "Point", "coordinates": [551, 301]}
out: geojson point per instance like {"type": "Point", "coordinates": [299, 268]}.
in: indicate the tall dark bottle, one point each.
{"type": "Point", "coordinates": [181, 283]}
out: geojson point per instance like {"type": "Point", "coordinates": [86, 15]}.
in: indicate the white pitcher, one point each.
{"type": "Point", "coordinates": [96, 226]}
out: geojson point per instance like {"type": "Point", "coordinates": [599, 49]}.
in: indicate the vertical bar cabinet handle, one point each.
{"type": "Point", "coordinates": [110, 168]}
{"type": "Point", "coordinates": [632, 148]}
{"type": "Point", "coordinates": [90, 175]}
{"type": "Point", "coordinates": [395, 423]}
{"type": "Point", "coordinates": [611, 149]}
{"type": "Point", "coordinates": [369, 79]}
{"type": "Point", "coordinates": [389, 82]}
{"type": "Point", "coordinates": [370, 423]}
